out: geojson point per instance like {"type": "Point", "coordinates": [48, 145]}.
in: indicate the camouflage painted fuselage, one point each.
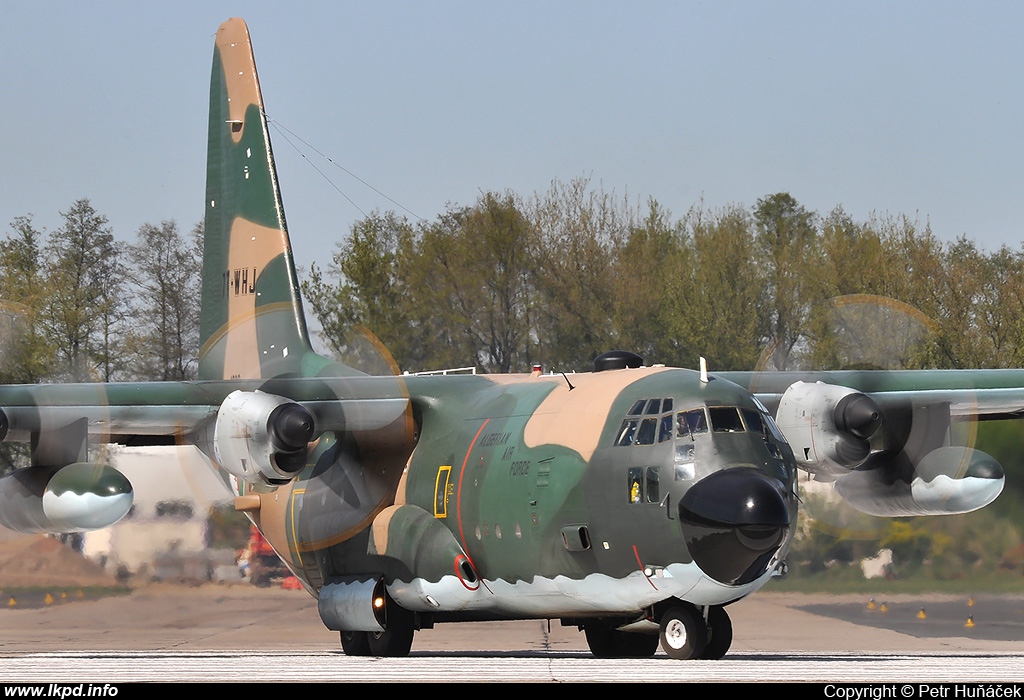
{"type": "Point", "coordinates": [519, 496]}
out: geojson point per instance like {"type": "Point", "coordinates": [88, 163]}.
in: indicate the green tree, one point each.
{"type": "Point", "coordinates": [648, 267]}
{"type": "Point", "coordinates": [1001, 307]}
{"type": "Point", "coordinates": [27, 356]}
{"type": "Point", "coordinates": [724, 289]}
{"type": "Point", "coordinates": [372, 268]}
{"type": "Point", "coordinates": [854, 318]}
{"type": "Point", "coordinates": [580, 231]}
{"type": "Point", "coordinates": [787, 239]}
{"type": "Point", "coordinates": [475, 270]}
{"type": "Point", "coordinates": [84, 311]}
{"type": "Point", "coordinates": [166, 271]}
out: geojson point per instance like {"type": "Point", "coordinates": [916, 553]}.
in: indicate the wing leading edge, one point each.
{"type": "Point", "coordinates": [900, 456]}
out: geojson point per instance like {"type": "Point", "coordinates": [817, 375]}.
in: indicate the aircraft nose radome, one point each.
{"type": "Point", "coordinates": [734, 522]}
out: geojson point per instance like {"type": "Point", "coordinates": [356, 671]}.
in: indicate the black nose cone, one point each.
{"type": "Point", "coordinates": [734, 523]}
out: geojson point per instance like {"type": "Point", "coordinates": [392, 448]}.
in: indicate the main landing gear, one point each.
{"type": "Point", "coordinates": [684, 633]}
{"type": "Point", "coordinates": [395, 640]}
{"type": "Point", "coordinates": [606, 642]}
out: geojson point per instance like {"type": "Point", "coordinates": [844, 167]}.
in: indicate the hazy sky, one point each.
{"type": "Point", "coordinates": [900, 108]}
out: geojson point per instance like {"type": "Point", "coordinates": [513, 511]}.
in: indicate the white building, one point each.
{"type": "Point", "coordinates": [165, 535]}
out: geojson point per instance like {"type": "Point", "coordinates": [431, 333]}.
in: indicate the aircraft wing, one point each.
{"type": "Point", "coordinates": [131, 412]}
{"type": "Point", "coordinates": [889, 439]}
{"type": "Point", "coordinates": [982, 394]}
{"type": "Point", "coordinates": [261, 431]}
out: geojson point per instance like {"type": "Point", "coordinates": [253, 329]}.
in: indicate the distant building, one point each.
{"type": "Point", "coordinates": [166, 534]}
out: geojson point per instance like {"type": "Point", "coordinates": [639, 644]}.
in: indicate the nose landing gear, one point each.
{"type": "Point", "coordinates": [685, 634]}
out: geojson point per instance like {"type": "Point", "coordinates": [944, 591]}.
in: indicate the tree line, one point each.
{"type": "Point", "coordinates": [557, 278]}
{"type": "Point", "coordinates": [78, 305]}
{"type": "Point", "coordinates": [561, 276]}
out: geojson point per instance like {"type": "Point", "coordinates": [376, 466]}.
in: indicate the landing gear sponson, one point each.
{"type": "Point", "coordinates": [684, 632]}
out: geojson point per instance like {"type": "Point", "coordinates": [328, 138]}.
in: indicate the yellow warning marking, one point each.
{"type": "Point", "coordinates": [441, 483]}
{"type": "Point", "coordinates": [296, 492]}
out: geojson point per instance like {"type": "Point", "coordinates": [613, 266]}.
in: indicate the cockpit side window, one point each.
{"type": "Point", "coordinates": [626, 431]}
{"type": "Point", "coordinates": [725, 419]}
{"type": "Point", "coordinates": [762, 423]}
{"type": "Point", "coordinates": [653, 490]}
{"type": "Point", "coordinates": [636, 481]}
{"type": "Point", "coordinates": [643, 484]}
{"type": "Point", "coordinates": [753, 420]}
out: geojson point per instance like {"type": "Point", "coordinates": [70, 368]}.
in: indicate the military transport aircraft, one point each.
{"type": "Point", "coordinates": [633, 502]}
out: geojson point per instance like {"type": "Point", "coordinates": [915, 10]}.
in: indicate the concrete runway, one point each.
{"type": "Point", "coordinates": [240, 633]}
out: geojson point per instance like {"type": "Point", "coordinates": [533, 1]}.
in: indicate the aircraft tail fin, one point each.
{"type": "Point", "coordinates": [252, 323]}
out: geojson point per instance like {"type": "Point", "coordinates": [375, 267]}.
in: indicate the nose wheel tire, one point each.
{"type": "Point", "coordinates": [719, 634]}
{"type": "Point", "coordinates": [684, 634]}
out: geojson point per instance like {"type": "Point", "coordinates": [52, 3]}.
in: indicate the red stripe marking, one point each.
{"type": "Point", "coordinates": [458, 500]}
{"type": "Point", "coordinates": [640, 564]}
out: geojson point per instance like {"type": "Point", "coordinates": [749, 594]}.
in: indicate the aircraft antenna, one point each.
{"type": "Point", "coordinates": [287, 134]}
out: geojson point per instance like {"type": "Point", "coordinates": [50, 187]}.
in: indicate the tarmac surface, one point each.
{"type": "Point", "coordinates": [168, 632]}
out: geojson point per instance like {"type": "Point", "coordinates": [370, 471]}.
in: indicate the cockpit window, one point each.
{"type": "Point", "coordinates": [665, 430]}
{"type": "Point", "coordinates": [753, 420]}
{"type": "Point", "coordinates": [648, 429]}
{"type": "Point", "coordinates": [625, 438]}
{"type": "Point", "coordinates": [684, 462]}
{"type": "Point", "coordinates": [636, 481]}
{"type": "Point", "coordinates": [639, 429]}
{"type": "Point", "coordinates": [725, 419]}
{"type": "Point", "coordinates": [644, 485]}
{"type": "Point", "coordinates": [653, 491]}
{"type": "Point", "coordinates": [691, 422]}
{"type": "Point", "coordinates": [773, 428]}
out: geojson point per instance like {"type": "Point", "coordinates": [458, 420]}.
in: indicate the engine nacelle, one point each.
{"type": "Point", "coordinates": [828, 426]}
{"type": "Point", "coordinates": [262, 438]}
{"type": "Point", "coordinates": [75, 498]}
{"type": "Point", "coordinates": [947, 481]}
